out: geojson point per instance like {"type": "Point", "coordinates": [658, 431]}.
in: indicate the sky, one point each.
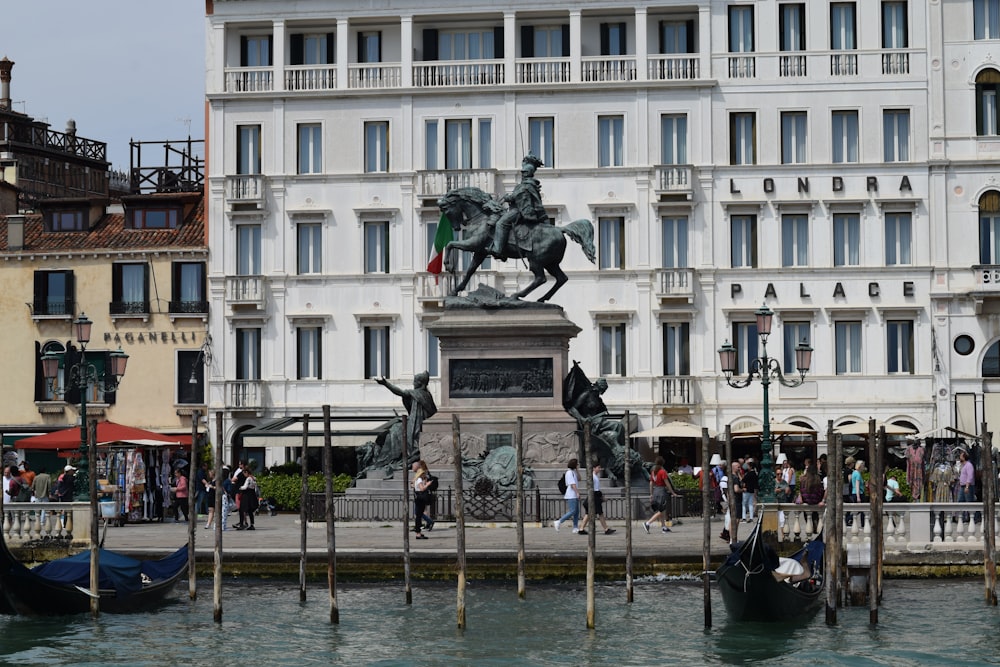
{"type": "Point", "coordinates": [122, 69]}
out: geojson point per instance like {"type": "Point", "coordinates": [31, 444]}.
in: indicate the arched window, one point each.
{"type": "Point", "coordinates": [989, 228]}
{"type": "Point", "coordinates": [991, 362]}
{"type": "Point", "coordinates": [987, 85]}
{"type": "Point", "coordinates": [52, 391]}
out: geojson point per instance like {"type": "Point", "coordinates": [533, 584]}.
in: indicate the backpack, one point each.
{"type": "Point", "coordinates": [562, 484]}
{"type": "Point", "coordinates": [23, 494]}
{"type": "Point", "coordinates": [432, 483]}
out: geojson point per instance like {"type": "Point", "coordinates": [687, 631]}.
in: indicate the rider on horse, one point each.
{"type": "Point", "coordinates": [525, 206]}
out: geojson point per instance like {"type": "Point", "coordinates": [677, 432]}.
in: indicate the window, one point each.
{"type": "Point", "coordinates": [991, 361]}
{"type": "Point", "coordinates": [310, 353]}
{"type": "Point", "coordinates": [612, 242]}
{"type": "Point", "coordinates": [310, 245]}
{"type": "Point", "coordinates": [376, 246]}
{"type": "Point", "coordinates": [610, 141]}
{"type": "Point", "coordinates": [472, 45]}
{"type": "Point", "coordinates": [458, 144]}
{"type": "Point", "coordinates": [793, 333]}
{"type": "Point", "coordinates": [746, 341]}
{"type": "Point", "coordinates": [376, 146]}
{"type": "Point", "coordinates": [675, 241]}
{"type": "Point", "coordinates": [846, 239]}
{"type": "Point", "coordinates": [53, 293]}
{"type": "Point", "coordinates": [310, 148]}
{"type": "Point", "coordinates": [541, 139]}
{"type": "Point", "coordinates": [677, 37]}
{"type": "Point", "coordinates": [743, 138]}
{"type": "Point", "coordinates": [312, 49]}
{"type": "Point", "coordinates": [166, 217]}
{"type": "Point", "coordinates": [433, 355]}
{"type": "Point", "coordinates": [848, 343]}
{"type": "Point", "coordinates": [188, 291]}
{"type": "Point", "coordinates": [44, 389]}
{"type": "Point", "coordinates": [370, 47]}
{"type": "Point", "coordinates": [845, 136]}
{"type": "Point", "coordinates": [894, 33]}
{"type": "Point", "coordinates": [793, 137]}
{"type": "Point", "coordinates": [843, 28]}
{"type": "Point", "coordinates": [463, 259]}
{"type": "Point", "coordinates": [376, 351]}
{"type": "Point", "coordinates": [613, 349]}
{"type": "Point", "coordinates": [743, 229]}
{"type": "Point", "coordinates": [989, 229]}
{"type": "Point", "coordinates": [898, 239]}
{"type": "Point", "coordinates": [431, 145]}
{"type": "Point", "coordinates": [468, 142]}
{"type": "Point", "coordinates": [740, 29]}
{"type": "Point", "coordinates": [896, 135]}
{"type": "Point", "coordinates": [899, 346]}
{"type": "Point", "coordinates": [248, 250]}
{"type": "Point", "coordinates": [69, 357]}
{"type": "Point", "coordinates": [673, 139]}
{"type": "Point", "coordinates": [129, 289]}
{"type": "Point", "coordinates": [614, 39]}
{"type": "Point", "coordinates": [64, 221]}
{"type": "Point", "coordinates": [986, 19]}
{"type": "Point", "coordinates": [987, 86]}
{"type": "Point", "coordinates": [190, 377]}
{"type": "Point", "coordinates": [676, 348]}
{"type": "Point", "coordinates": [544, 41]}
{"type": "Point", "coordinates": [248, 149]}
{"type": "Point", "coordinates": [248, 353]}
{"type": "Point", "coordinates": [255, 51]}
{"type": "Point", "coordinates": [795, 240]}
{"type": "Point", "coordinates": [792, 27]}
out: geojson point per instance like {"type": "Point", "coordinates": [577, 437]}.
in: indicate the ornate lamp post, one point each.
{"type": "Point", "coordinates": [765, 369]}
{"type": "Point", "coordinates": [81, 376]}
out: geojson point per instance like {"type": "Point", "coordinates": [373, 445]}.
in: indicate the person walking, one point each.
{"type": "Point", "coordinates": [208, 487]}
{"type": "Point", "coordinates": [659, 486]}
{"type": "Point", "coordinates": [41, 488]}
{"type": "Point", "coordinates": [598, 504]}
{"type": "Point", "coordinates": [421, 498]}
{"type": "Point", "coordinates": [572, 497]}
{"type": "Point", "coordinates": [749, 484]}
{"type": "Point", "coordinates": [248, 499]}
{"type": "Point", "coordinates": [180, 494]}
{"type": "Point", "coordinates": [857, 486]}
{"type": "Point", "coordinates": [227, 497]}
{"type": "Point", "coordinates": [967, 484]}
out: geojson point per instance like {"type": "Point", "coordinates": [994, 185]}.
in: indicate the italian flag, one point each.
{"type": "Point", "coordinates": [442, 238]}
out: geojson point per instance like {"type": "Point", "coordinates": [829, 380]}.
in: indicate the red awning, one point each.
{"type": "Point", "coordinates": [107, 433]}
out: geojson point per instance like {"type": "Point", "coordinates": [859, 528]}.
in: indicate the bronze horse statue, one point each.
{"type": "Point", "coordinates": [542, 245]}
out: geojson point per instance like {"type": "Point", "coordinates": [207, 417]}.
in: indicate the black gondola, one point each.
{"type": "Point", "coordinates": [63, 586]}
{"type": "Point", "coordinates": [757, 585]}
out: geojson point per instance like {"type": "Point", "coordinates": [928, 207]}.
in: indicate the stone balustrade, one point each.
{"type": "Point", "coordinates": [29, 522]}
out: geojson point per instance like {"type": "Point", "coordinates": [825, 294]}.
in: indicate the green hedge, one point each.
{"type": "Point", "coordinates": [286, 490]}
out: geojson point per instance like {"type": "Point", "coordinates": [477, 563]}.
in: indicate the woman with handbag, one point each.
{"type": "Point", "coordinates": [421, 498]}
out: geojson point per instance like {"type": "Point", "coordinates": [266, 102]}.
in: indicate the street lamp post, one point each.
{"type": "Point", "coordinates": [81, 376]}
{"type": "Point", "coordinates": [765, 369]}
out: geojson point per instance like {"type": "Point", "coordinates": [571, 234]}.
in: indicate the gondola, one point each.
{"type": "Point", "coordinates": [62, 586]}
{"type": "Point", "coordinates": [758, 585]}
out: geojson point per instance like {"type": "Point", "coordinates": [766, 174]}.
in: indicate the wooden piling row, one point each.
{"type": "Point", "coordinates": [331, 535]}
{"type": "Point", "coordinates": [629, 581]}
{"type": "Point", "coordinates": [832, 523]}
{"type": "Point", "coordinates": [707, 503]}
{"type": "Point", "coordinates": [456, 438]}
{"type": "Point", "coordinates": [407, 590]}
{"type": "Point", "coordinates": [519, 506]}
{"type": "Point", "coordinates": [217, 555]}
{"type": "Point", "coordinates": [303, 500]}
{"type": "Point", "coordinates": [192, 515]}
{"type": "Point", "coordinates": [592, 533]}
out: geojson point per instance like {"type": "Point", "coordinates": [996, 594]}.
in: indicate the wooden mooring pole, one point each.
{"type": "Point", "coordinates": [456, 437]}
{"type": "Point", "coordinates": [407, 590]}
{"type": "Point", "coordinates": [303, 510]}
{"type": "Point", "coordinates": [217, 552]}
{"type": "Point", "coordinates": [706, 523]}
{"type": "Point", "coordinates": [876, 489]}
{"type": "Point", "coordinates": [732, 526]}
{"type": "Point", "coordinates": [192, 506]}
{"type": "Point", "coordinates": [831, 532]}
{"type": "Point", "coordinates": [331, 533]}
{"type": "Point", "coordinates": [519, 500]}
{"type": "Point", "coordinates": [592, 533]}
{"type": "Point", "coordinates": [989, 516]}
{"type": "Point", "coordinates": [629, 580]}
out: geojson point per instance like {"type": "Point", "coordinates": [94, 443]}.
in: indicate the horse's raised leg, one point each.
{"type": "Point", "coordinates": [539, 274]}
{"type": "Point", "coordinates": [561, 279]}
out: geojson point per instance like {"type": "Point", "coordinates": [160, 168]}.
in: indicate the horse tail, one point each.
{"type": "Point", "coordinates": [582, 231]}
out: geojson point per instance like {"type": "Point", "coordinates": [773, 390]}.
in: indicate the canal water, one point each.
{"type": "Point", "coordinates": [921, 623]}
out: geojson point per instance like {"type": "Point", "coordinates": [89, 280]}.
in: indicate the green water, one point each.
{"type": "Point", "coordinates": [921, 623]}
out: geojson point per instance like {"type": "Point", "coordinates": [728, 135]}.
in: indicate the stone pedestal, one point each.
{"type": "Point", "coordinates": [500, 362]}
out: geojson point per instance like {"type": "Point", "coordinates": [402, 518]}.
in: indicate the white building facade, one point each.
{"type": "Point", "coordinates": [834, 160]}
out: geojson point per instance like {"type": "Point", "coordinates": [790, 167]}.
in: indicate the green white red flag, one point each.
{"type": "Point", "coordinates": [442, 238]}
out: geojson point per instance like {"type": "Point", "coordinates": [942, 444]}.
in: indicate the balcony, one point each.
{"type": "Point", "coordinates": [188, 307]}
{"type": "Point", "coordinates": [52, 307]}
{"type": "Point", "coordinates": [742, 67]}
{"type": "Point", "coordinates": [542, 70]}
{"type": "Point", "coordinates": [437, 183]}
{"type": "Point", "coordinates": [676, 391]}
{"type": "Point", "coordinates": [792, 65]}
{"type": "Point", "coordinates": [245, 189]}
{"type": "Point", "coordinates": [374, 75]}
{"type": "Point", "coordinates": [129, 308]}
{"type": "Point", "coordinates": [673, 178]}
{"type": "Point", "coordinates": [895, 62]}
{"type": "Point", "coordinates": [672, 67]}
{"type": "Point", "coordinates": [245, 291]}
{"type": "Point", "coordinates": [675, 285]}
{"type": "Point", "coordinates": [249, 79]}
{"type": "Point", "coordinates": [244, 394]}
{"type": "Point", "coordinates": [311, 77]}
{"type": "Point", "coordinates": [466, 73]}
{"type": "Point", "coordinates": [608, 68]}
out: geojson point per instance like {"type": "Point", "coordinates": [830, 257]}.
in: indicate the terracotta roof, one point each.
{"type": "Point", "coordinates": [110, 234]}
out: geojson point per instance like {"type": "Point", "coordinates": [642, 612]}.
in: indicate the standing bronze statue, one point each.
{"type": "Point", "coordinates": [386, 453]}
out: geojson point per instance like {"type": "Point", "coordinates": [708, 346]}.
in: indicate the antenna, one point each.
{"type": "Point", "coordinates": [187, 121]}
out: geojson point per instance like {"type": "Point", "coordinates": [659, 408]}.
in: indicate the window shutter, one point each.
{"type": "Point", "coordinates": [498, 41]}
{"type": "Point", "coordinates": [527, 41]}
{"type": "Point", "coordinates": [40, 306]}
{"type": "Point", "coordinates": [605, 40]}
{"type": "Point", "coordinates": [622, 39]}
{"type": "Point", "coordinates": [243, 51]}
{"type": "Point", "coordinates": [70, 359]}
{"type": "Point", "coordinates": [802, 28]}
{"type": "Point", "coordinates": [331, 48]}
{"type": "Point", "coordinates": [145, 288]}
{"type": "Point", "coordinates": [979, 114]}
{"type": "Point", "coordinates": [689, 25]}
{"type": "Point", "coordinates": [39, 375]}
{"type": "Point", "coordinates": [319, 353]}
{"type": "Point", "coordinates": [70, 292]}
{"type": "Point", "coordinates": [296, 49]}
{"type": "Point", "coordinates": [116, 282]}
{"type": "Point", "coordinates": [109, 396]}
{"type": "Point", "coordinates": [175, 282]}
{"type": "Point", "coordinates": [361, 47]}
{"type": "Point", "coordinates": [270, 50]}
{"type": "Point", "coordinates": [565, 40]}
{"type": "Point", "coordinates": [430, 44]}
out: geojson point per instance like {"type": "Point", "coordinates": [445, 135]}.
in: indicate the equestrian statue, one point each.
{"type": "Point", "coordinates": [521, 231]}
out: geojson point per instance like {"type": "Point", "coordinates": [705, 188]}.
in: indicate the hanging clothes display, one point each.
{"type": "Point", "coordinates": [915, 470]}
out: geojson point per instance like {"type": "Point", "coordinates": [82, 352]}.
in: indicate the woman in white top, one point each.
{"type": "Point", "coordinates": [572, 496]}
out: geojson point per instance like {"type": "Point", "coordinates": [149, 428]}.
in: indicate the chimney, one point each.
{"type": "Point", "coordinates": [6, 65]}
{"type": "Point", "coordinates": [15, 232]}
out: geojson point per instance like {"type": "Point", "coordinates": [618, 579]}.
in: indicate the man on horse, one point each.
{"type": "Point", "coordinates": [524, 206]}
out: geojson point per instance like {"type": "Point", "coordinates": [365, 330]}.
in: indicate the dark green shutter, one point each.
{"type": "Point", "coordinates": [430, 44]}
{"type": "Point", "coordinates": [498, 41]}
{"type": "Point", "coordinates": [527, 41]}
{"type": "Point", "coordinates": [243, 51]}
{"type": "Point", "coordinates": [109, 396]}
{"type": "Point", "coordinates": [565, 40]}
{"type": "Point", "coordinates": [689, 25]}
{"type": "Point", "coordinates": [331, 48]}
{"type": "Point", "coordinates": [296, 49]}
